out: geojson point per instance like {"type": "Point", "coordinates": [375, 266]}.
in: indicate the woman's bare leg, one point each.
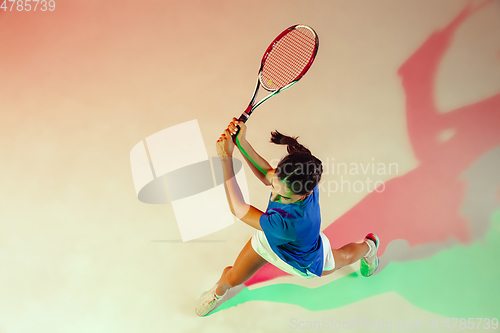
{"type": "Point", "coordinates": [245, 266]}
{"type": "Point", "coordinates": [348, 254]}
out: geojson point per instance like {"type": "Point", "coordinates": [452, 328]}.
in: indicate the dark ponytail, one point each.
{"type": "Point", "coordinates": [291, 142]}
{"type": "Point", "coordinates": [300, 170]}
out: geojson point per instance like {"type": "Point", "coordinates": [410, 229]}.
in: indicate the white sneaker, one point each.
{"type": "Point", "coordinates": [369, 262]}
{"type": "Point", "coordinates": [207, 301]}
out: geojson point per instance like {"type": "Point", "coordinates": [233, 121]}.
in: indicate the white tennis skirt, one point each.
{"type": "Point", "coordinates": [261, 246]}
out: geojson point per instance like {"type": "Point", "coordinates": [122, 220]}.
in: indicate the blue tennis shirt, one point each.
{"type": "Point", "coordinates": [292, 231]}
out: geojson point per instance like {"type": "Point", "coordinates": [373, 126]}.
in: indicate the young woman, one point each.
{"type": "Point", "coordinates": [288, 233]}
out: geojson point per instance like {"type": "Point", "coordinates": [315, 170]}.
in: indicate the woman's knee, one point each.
{"type": "Point", "coordinates": [341, 258]}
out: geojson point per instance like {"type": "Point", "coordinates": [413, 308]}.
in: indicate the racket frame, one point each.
{"type": "Point", "coordinates": [251, 106]}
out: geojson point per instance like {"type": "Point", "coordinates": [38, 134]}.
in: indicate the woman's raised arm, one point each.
{"type": "Point", "coordinates": [243, 211]}
{"type": "Point", "coordinates": [259, 166]}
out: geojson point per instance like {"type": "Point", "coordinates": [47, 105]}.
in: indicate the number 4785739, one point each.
{"type": "Point", "coordinates": [28, 5]}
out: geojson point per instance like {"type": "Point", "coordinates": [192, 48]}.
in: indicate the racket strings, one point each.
{"type": "Point", "coordinates": [287, 63]}
{"type": "Point", "coordinates": [288, 59]}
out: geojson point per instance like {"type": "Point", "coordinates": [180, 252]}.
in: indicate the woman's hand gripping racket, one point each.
{"type": "Point", "coordinates": [285, 62]}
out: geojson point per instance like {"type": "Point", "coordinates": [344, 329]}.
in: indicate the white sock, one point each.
{"type": "Point", "coordinates": [370, 250]}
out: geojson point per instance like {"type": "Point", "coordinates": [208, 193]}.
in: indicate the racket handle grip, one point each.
{"type": "Point", "coordinates": [233, 136]}
{"type": "Point", "coordinates": [244, 117]}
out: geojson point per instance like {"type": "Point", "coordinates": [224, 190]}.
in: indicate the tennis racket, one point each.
{"type": "Point", "coordinates": [285, 62]}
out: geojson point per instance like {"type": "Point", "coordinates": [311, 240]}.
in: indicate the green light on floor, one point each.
{"type": "Point", "coordinates": [460, 282]}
